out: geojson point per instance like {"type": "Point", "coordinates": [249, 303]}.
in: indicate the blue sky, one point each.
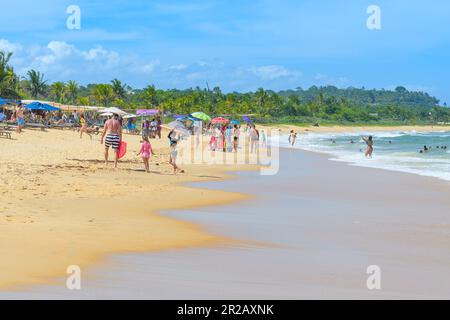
{"type": "Point", "coordinates": [237, 45]}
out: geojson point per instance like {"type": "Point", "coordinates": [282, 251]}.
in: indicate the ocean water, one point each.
{"type": "Point", "coordinates": [395, 150]}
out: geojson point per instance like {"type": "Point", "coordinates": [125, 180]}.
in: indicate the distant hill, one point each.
{"type": "Point", "coordinates": [399, 97]}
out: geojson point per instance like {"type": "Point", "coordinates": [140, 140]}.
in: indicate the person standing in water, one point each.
{"type": "Point", "coordinates": [369, 142]}
{"type": "Point", "coordinates": [113, 133]}
{"type": "Point", "coordinates": [292, 138]}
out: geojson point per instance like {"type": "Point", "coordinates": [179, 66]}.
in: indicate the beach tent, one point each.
{"type": "Point", "coordinates": [7, 101]}
{"type": "Point", "coordinates": [64, 107]}
{"type": "Point", "coordinates": [41, 106]}
{"type": "Point", "coordinates": [202, 116]}
{"type": "Point", "coordinates": [113, 110]}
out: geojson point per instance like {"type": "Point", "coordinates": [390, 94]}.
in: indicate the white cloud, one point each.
{"type": "Point", "coordinates": [147, 68]}
{"type": "Point", "coordinates": [273, 72]}
{"type": "Point", "coordinates": [7, 46]}
{"type": "Point", "coordinates": [178, 67]}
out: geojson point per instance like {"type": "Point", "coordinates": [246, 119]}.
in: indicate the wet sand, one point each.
{"type": "Point", "coordinates": [310, 232]}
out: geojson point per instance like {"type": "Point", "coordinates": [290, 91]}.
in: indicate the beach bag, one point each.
{"type": "Point", "coordinates": [122, 149]}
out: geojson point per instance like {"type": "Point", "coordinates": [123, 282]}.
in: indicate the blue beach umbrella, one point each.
{"type": "Point", "coordinates": [41, 106]}
{"type": "Point", "coordinates": [2, 101]}
{"type": "Point", "coordinates": [246, 119]}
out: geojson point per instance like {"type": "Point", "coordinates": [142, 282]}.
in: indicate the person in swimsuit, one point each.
{"type": "Point", "coordinates": [369, 142]}
{"type": "Point", "coordinates": [113, 133]}
{"type": "Point", "coordinates": [20, 120]}
{"type": "Point", "coordinates": [84, 127]}
{"type": "Point", "coordinates": [292, 138]}
{"type": "Point", "coordinates": [145, 129]}
{"type": "Point", "coordinates": [236, 135]}
{"type": "Point", "coordinates": [254, 139]}
{"type": "Point", "coordinates": [263, 139]}
{"type": "Point", "coordinates": [159, 122]}
{"type": "Point", "coordinates": [146, 152]}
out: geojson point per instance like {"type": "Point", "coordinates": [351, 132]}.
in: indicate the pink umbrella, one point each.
{"type": "Point", "coordinates": [219, 121]}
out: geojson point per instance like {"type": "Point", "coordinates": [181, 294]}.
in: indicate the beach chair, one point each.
{"type": "Point", "coordinates": [4, 133]}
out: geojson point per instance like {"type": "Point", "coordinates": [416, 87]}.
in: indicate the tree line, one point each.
{"type": "Point", "coordinates": [326, 104]}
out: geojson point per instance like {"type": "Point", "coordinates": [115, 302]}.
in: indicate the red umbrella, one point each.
{"type": "Point", "coordinates": [219, 121]}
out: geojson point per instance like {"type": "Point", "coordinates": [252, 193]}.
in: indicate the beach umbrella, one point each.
{"type": "Point", "coordinates": [220, 121]}
{"type": "Point", "coordinates": [202, 116]}
{"type": "Point", "coordinates": [129, 116]}
{"type": "Point", "coordinates": [2, 101]}
{"type": "Point", "coordinates": [246, 119]}
{"type": "Point", "coordinates": [179, 127]}
{"type": "Point", "coordinates": [113, 110]}
{"type": "Point", "coordinates": [235, 122]}
{"type": "Point", "coordinates": [41, 106]}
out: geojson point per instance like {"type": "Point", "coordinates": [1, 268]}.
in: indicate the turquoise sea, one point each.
{"type": "Point", "coordinates": [394, 150]}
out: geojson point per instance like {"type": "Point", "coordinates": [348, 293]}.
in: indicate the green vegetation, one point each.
{"type": "Point", "coordinates": [316, 105]}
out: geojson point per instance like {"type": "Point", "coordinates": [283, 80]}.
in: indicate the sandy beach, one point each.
{"type": "Point", "coordinates": [315, 241]}
{"type": "Point", "coordinates": [61, 206]}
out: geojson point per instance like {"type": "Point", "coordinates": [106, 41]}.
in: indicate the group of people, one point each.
{"type": "Point", "coordinates": [427, 148]}
{"type": "Point", "coordinates": [227, 137]}
{"type": "Point", "coordinates": [112, 137]}
{"type": "Point", "coordinates": [152, 129]}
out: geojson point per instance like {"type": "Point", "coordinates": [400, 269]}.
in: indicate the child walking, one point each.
{"type": "Point", "coordinates": [146, 152]}
{"type": "Point", "coordinates": [173, 157]}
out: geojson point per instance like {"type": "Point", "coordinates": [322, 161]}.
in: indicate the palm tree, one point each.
{"type": "Point", "coordinates": [72, 91]}
{"type": "Point", "coordinates": [148, 96]}
{"type": "Point", "coordinates": [58, 91]}
{"type": "Point", "coordinates": [8, 79]}
{"type": "Point", "coordinates": [119, 89]}
{"type": "Point", "coordinates": [37, 84]}
{"type": "Point", "coordinates": [104, 94]}
{"type": "Point", "coordinates": [261, 100]}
